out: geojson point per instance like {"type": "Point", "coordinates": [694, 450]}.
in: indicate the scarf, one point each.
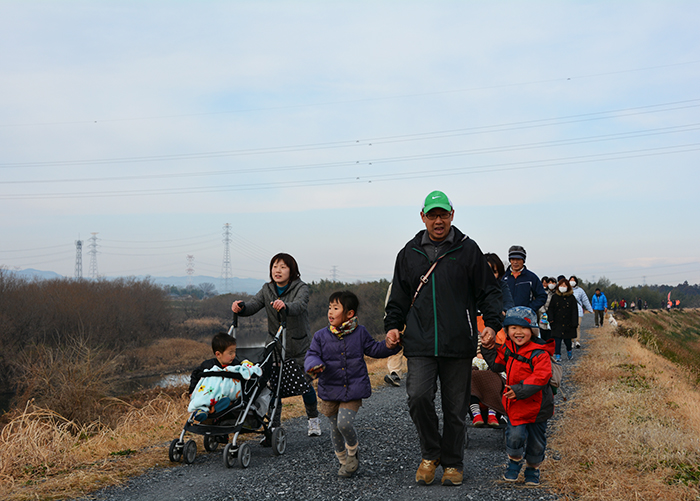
{"type": "Point", "coordinates": [344, 329]}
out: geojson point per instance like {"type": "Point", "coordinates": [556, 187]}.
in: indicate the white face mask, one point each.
{"type": "Point", "coordinates": [573, 283]}
{"type": "Point", "coordinates": [551, 286]}
{"type": "Point", "coordinates": [562, 289]}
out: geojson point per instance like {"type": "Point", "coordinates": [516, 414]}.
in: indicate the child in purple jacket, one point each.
{"type": "Point", "coordinates": [337, 357]}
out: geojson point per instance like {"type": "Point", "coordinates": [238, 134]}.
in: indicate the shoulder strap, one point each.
{"type": "Point", "coordinates": [424, 278]}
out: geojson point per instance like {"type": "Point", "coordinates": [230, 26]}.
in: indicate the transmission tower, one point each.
{"type": "Point", "coordinates": [226, 266]}
{"type": "Point", "coordinates": [93, 256]}
{"type": "Point", "coordinates": [190, 270]}
{"type": "Point", "coordinates": [334, 273]}
{"type": "Point", "coordinates": [79, 259]}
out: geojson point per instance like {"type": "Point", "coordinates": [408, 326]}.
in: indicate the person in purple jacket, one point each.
{"type": "Point", "coordinates": [337, 357]}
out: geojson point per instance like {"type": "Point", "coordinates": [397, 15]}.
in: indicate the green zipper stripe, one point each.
{"type": "Point", "coordinates": [432, 283]}
{"type": "Point", "coordinates": [435, 317]}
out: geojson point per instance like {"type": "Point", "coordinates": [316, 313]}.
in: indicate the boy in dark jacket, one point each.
{"type": "Point", "coordinates": [528, 398]}
{"type": "Point", "coordinates": [224, 348]}
{"type": "Point", "coordinates": [337, 357]}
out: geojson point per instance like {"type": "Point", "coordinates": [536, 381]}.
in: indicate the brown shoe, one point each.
{"type": "Point", "coordinates": [452, 476]}
{"type": "Point", "coordinates": [426, 471]}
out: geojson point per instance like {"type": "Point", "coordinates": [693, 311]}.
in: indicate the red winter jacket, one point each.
{"type": "Point", "coordinates": [534, 402]}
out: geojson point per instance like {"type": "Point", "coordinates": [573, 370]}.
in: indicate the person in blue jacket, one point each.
{"type": "Point", "coordinates": [600, 305]}
{"type": "Point", "coordinates": [525, 287]}
{"type": "Point", "coordinates": [337, 357]}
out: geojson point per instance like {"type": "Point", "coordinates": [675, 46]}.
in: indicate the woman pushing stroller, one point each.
{"type": "Point", "coordinates": [286, 291]}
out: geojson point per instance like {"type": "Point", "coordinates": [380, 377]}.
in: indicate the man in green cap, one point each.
{"type": "Point", "coordinates": [441, 279]}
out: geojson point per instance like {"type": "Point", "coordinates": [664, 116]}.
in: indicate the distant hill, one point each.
{"type": "Point", "coordinates": [247, 285]}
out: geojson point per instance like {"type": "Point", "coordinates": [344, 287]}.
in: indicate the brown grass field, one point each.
{"type": "Point", "coordinates": [629, 432]}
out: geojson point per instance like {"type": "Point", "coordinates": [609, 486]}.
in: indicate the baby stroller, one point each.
{"type": "Point", "coordinates": [253, 412]}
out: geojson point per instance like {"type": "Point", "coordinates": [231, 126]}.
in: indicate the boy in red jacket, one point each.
{"type": "Point", "coordinates": [527, 398]}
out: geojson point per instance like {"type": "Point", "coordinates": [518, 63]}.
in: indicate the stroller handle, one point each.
{"type": "Point", "coordinates": [234, 326]}
{"type": "Point", "coordinates": [282, 316]}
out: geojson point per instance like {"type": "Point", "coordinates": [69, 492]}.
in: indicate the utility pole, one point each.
{"type": "Point", "coordinates": [78, 259]}
{"type": "Point", "coordinates": [190, 270]}
{"type": "Point", "coordinates": [93, 256]}
{"type": "Point", "coordinates": [226, 273]}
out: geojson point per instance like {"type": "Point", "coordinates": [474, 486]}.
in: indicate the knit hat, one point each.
{"type": "Point", "coordinates": [560, 278]}
{"type": "Point", "coordinates": [516, 252]}
{"type": "Point", "coordinates": [521, 315]}
{"type": "Point", "coordinates": [437, 200]}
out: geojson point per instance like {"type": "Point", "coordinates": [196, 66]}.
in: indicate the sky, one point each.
{"type": "Point", "coordinates": [318, 128]}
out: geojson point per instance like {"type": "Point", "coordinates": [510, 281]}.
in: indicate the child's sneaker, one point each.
{"type": "Point", "coordinates": [314, 427]}
{"type": "Point", "coordinates": [570, 354]}
{"type": "Point", "coordinates": [478, 421]}
{"type": "Point", "coordinates": [492, 421]}
{"type": "Point", "coordinates": [512, 471]}
{"type": "Point", "coordinates": [532, 476]}
{"type": "Point", "coordinates": [557, 357]}
{"type": "Point", "coordinates": [200, 416]}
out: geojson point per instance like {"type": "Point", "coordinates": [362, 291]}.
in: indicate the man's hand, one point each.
{"type": "Point", "coordinates": [488, 338]}
{"type": "Point", "coordinates": [393, 337]}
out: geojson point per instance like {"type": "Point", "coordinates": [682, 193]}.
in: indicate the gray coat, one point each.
{"type": "Point", "coordinates": [296, 298]}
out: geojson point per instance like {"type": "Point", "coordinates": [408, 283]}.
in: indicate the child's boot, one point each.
{"type": "Point", "coordinates": [352, 462]}
{"type": "Point", "coordinates": [342, 458]}
{"type": "Point", "coordinates": [532, 476]}
{"type": "Point", "coordinates": [513, 470]}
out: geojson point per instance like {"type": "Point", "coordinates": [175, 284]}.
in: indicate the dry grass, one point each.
{"type": "Point", "coordinates": [631, 430]}
{"type": "Point", "coordinates": [46, 456]}
{"type": "Point", "coordinates": [158, 357]}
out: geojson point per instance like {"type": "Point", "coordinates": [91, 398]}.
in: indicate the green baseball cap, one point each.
{"type": "Point", "coordinates": [435, 200]}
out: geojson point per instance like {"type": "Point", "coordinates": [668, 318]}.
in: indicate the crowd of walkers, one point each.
{"type": "Point", "coordinates": [484, 333]}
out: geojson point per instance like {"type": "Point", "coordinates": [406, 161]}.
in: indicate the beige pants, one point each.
{"type": "Point", "coordinates": [394, 362]}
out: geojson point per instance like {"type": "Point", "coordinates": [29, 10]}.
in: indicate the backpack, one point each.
{"type": "Point", "coordinates": [557, 369]}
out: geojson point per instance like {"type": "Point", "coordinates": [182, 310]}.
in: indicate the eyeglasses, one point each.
{"type": "Point", "coordinates": [443, 215]}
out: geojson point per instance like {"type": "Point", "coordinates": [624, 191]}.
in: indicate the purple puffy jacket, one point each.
{"type": "Point", "coordinates": [345, 376]}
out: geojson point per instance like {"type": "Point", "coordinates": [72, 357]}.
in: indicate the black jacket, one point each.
{"type": "Point", "coordinates": [442, 321]}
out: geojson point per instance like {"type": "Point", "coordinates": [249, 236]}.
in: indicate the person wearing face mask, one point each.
{"type": "Point", "coordinates": [582, 302]}
{"type": "Point", "coordinates": [563, 317]}
{"type": "Point", "coordinates": [545, 325]}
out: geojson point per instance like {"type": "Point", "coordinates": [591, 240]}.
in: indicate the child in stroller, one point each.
{"type": "Point", "coordinates": [253, 411]}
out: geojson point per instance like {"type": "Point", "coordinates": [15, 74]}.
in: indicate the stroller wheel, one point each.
{"type": "Point", "coordinates": [190, 452]}
{"type": "Point", "coordinates": [210, 443]}
{"type": "Point", "coordinates": [279, 441]}
{"type": "Point", "coordinates": [229, 456]}
{"type": "Point", "coordinates": [175, 452]}
{"type": "Point", "coordinates": [244, 455]}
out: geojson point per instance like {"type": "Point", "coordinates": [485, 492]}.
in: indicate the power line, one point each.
{"type": "Point", "coordinates": [486, 168]}
{"type": "Point", "coordinates": [509, 126]}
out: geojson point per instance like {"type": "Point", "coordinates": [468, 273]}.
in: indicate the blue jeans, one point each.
{"type": "Point", "coordinates": [530, 438]}
{"type": "Point", "coordinates": [455, 386]}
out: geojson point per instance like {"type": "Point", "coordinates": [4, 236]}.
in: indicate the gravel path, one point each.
{"type": "Point", "coordinates": [389, 456]}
